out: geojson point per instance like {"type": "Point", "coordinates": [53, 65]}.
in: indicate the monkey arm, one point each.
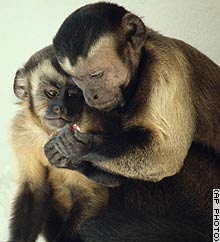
{"type": "Point", "coordinates": [112, 146]}
{"type": "Point", "coordinates": [78, 151]}
{"type": "Point", "coordinates": [131, 153]}
{"type": "Point", "coordinates": [72, 154]}
{"type": "Point", "coordinates": [170, 130]}
{"type": "Point", "coordinates": [138, 162]}
{"type": "Point", "coordinates": [79, 146]}
{"type": "Point", "coordinates": [166, 115]}
{"type": "Point", "coordinates": [137, 155]}
{"type": "Point", "coordinates": [146, 154]}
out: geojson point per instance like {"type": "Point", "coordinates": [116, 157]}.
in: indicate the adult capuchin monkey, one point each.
{"type": "Point", "coordinates": [154, 96]}
{"type": "Point", "coordinates": [44, 203]}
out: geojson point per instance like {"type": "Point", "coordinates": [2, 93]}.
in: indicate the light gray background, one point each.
{"type": "Point", "coordinates": [26, 26]}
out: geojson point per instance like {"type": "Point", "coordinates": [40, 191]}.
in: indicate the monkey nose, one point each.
{"type": "Point", "coordinates": [57, 109]}
{"type": "Point", "coordinates": [92, 95]}
{"type": "Point", "coordinates": [95, 96]}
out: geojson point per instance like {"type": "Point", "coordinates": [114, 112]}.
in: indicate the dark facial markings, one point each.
{"type": "Point", "coordinates": [58, 103]}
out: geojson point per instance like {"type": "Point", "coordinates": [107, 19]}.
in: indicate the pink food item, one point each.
{"type": "Point", "coordinates": [75, 127]}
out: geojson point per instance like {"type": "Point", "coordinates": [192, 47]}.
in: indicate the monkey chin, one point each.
{"type": "Point", "coordinates": [115, 102]}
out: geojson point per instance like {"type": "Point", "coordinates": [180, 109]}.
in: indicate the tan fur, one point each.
{"type": "Point", "coordinates": [170, 112]}
{"type": "Point", "coordinates": [28, 141]}
{"type": "Point", "coordinates": [29, 134]}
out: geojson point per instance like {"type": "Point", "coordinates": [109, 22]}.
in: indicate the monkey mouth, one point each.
{"type": "Point", "coordinates": [57, 122]}
{"type": "Point", "coordinates": [65, 118]}
{"type": "Point", "coordinates": [109, 105]}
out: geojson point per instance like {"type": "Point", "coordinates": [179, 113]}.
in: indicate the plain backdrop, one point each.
{"type": "Point", "coordinates": [28, 25]}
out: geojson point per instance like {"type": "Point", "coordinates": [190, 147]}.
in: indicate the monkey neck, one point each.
{"type": "Point", "coordinates": [134, 83]}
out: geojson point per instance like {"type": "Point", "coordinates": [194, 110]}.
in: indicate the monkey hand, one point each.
{"type": "Point", "coordinates": [68, 145]}
{"type": "Point", "coordinates": [54, 156]}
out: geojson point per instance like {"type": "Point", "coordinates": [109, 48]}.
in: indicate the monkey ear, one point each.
{"type": "Point", "coordinates": [21, 84]}
{"type": "Point", "coordinates": [135, 29]}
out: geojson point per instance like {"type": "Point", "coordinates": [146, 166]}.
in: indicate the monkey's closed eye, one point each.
{"type": "Point", "coordinates": [97, 74]}
{"type": "Point", "coordinates": [51, 93]}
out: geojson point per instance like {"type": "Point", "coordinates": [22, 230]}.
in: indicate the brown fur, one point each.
{"type": "Point", "coordinates": [176, 102]}
{"type": "Point", "coordinates": [182, 106]}
{"type": "Point", "coordinates": [28, 141]}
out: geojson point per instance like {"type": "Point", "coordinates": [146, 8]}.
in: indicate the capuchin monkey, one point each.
{"type": "Point", "coordinates": [44, 203]}
{"type": "Point", "coordinates": [154, 95]}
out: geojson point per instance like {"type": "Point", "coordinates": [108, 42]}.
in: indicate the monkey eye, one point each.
{"type": "Point", "coordinates": [51, 93]}
{"type": "Point", "coordinates": [97, 74]}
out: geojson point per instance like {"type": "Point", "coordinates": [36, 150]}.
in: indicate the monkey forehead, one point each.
{"type": "Point", "coordinates": [102, 54]}
{"type": "Point", "coordinates": [44, 72]}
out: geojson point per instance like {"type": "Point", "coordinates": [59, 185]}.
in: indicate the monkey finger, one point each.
{"type": "Point", "coordinates": [63, 147]}
{"type": "Point", "coordinates": [49, 145]}
{"type": "Point", "coordinates": [53, 137]}
{"type": "Point", "coordinates": [57, 156]}
{"type": "Point", "coordinates": [50, 152]}
{"type": "Point", "coordinates": [62, 163]}
{"type": "Point", "coordinates": [73, 164]}
{"type": "Point", "coordinates": [57, 159]}
{"type": "Point", "coordinates": [84, 138]}
{"type": "Point", "coordinates": [74, 147]}
{"type": "Point", "coordinates": [67, 133]}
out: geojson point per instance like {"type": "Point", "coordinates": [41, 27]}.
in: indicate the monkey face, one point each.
{"type": "Point", "coordinates": [101, 79]}
{"type": "Point", "coordinates": [56, 100]}
{"type": "Point", "coordinates": [62, 104]}
{"type": "Point", "coordinates": [107, 53]}
{"type": "Point", "coordinates": [51, 97]}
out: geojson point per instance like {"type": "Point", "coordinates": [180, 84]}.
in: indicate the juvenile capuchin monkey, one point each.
{"type": "Point", "coordinates": [153, 95]}
{"type": "Point", "coordinates": [49, 200]}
